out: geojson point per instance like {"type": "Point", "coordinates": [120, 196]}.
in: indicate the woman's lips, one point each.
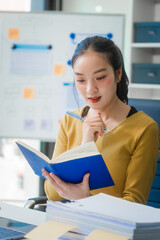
{"type": "Point", "coordinates": [94, 99]}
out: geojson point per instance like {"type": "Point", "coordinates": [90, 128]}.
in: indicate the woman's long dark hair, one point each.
{"type": "Point", "coordinates": [111, 53]}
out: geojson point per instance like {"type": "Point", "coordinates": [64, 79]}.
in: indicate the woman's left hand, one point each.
{"type": "Point", "coordinates": [66, 190]}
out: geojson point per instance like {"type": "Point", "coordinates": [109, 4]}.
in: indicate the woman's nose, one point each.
{"type": "Point", "coordinates": [91, 87]}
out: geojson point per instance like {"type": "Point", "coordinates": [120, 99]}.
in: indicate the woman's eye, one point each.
{"type": "Point", "coordinates": [100, 78]}
{"type": "Point", "coordinates": [80, 80]}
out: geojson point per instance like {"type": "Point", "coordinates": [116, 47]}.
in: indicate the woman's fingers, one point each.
{"type": "Point", "coordinates": [53, 179]}
{"type": "Point", "coordinates": [95, 121]}
{"type": "Point", "coordinates": [86, 179]}
{"type": "Point", "coordinates": [68, 190]}
{"type": "Point", "coordinates": [93, 128]}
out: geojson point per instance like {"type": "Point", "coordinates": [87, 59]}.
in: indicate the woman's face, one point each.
{"type": "Point", "coordinates": [95, 80]}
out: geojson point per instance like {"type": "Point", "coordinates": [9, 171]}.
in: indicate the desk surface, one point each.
{"type": "Point", "coordinates": [22, 214]}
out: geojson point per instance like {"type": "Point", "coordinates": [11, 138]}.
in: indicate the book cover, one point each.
{"type": "Point", "coordinates": [71, 165]}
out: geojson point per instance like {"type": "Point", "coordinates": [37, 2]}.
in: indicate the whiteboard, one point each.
{"type": "Point", "coordinates": [35, 73]}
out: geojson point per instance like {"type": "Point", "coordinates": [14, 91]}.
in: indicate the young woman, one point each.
{"type": "Point", "coordinates": [129, 146]}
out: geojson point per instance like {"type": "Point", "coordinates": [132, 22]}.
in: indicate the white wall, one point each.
{"type": "Point", "coordinates": [15, 5]}
{"type": "Point", "coordinates": [108, 7]}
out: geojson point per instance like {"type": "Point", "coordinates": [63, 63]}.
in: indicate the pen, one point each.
{"type": "Point", "coordinates": [78, 117]}
{"type": "Point", "coordinates": [75, 115]}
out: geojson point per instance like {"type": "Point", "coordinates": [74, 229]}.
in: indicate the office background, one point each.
{"type": "Point", "coordinates": [17, 182]}
{"type": "Point", "coordinates": [36, 70]}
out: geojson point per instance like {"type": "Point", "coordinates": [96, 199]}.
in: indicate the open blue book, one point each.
{"type": "Point", "coordinates": [71, 165]}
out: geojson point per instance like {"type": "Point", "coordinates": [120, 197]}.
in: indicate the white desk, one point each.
{"type": "Point", "coordinates": [22, 214]}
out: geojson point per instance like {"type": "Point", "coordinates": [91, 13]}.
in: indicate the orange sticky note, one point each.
{"type": "Point", "coordinates": [13, 33]}
{"type": "Point", "coordinates": [103, 235]}
{"type": "Point", "coordinates": [59, 69]}
{"type": "Point", "coordinates": [49, 231]}
{"type": "Point", "coordinates": [28, 93]}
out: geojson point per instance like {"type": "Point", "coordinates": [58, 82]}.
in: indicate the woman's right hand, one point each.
{"type": "Point", "coordinates": [93, 127]}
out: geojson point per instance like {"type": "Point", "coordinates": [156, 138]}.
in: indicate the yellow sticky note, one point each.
{"type": "Point", "coordinates": [13, 33]}
{"type": "Point", "coordinates": [59, 69]}
{"type": "Point", "coordinates": [28, 93]}
{"type": "Point", "coordinates": [103, 235]}
{"type": "Point", "coordinates": [49, 231]}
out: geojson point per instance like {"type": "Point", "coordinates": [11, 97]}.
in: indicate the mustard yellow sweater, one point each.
{"type": "Point", "coordinates": [130, 152]}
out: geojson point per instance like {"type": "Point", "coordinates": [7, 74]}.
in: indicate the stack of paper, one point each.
{"type": "Point", "coordinates": [54, 230]}
{"type": "Point", "coordinates": [108, 213]}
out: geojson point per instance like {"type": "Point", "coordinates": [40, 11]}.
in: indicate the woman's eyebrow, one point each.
{"type": "Point", "coordinates": [97, 71]}
{"type": "Point", "coordinates": [77, 73]}
{"type": "Point", "coordinates": [100, 70]}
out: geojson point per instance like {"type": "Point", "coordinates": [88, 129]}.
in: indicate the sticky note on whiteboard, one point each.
{"type": "Point", "coordinates": [13, 33]}
{"type": "Point", "coordinates": [28, 93]}
{"type": "Point", "coordinates": [59, 69]}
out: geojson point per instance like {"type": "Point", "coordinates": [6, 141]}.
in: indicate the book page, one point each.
{"type": "Point", "coordinates": [81, 151]}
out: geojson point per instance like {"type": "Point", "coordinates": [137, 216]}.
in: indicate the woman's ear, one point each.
{"type": "Point", "coordinates": [119, 74]}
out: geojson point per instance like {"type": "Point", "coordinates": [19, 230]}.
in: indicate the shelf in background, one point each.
{"type": "Point", "coordinates": [144, 86]}
{"type": "Point", "coordinates": [145, 45]}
